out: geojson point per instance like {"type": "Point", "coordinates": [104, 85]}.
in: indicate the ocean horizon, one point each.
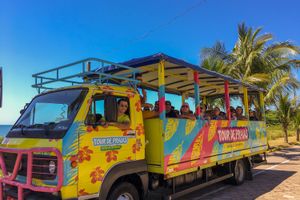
{"type": "Point", "coordinates": [4, 130]}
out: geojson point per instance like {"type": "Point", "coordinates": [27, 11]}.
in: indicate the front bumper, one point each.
{"type": "Point", "coordinates": [9, 183]}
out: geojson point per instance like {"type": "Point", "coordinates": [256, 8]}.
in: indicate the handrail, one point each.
{"type": "Point", "coordinates": [88, 76]}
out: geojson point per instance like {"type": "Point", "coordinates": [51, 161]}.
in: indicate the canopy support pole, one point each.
{"type": "Point", "coordinates": [161, 90]}
{"type": "Point", "coordinates": [246, 102]}
{"type": "Point", "coordinates": [227, 100]}
{"type": "Point", "coordinates": [197, 94]}
{"type": "Point", "coordinates": [183, 97]}
{"type": "Point", "coordinates": [262, 105]}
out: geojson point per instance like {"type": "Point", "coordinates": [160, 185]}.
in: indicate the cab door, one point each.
{"type": "Point", "coordinates": [102, 147]}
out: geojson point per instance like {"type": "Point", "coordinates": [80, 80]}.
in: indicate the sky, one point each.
{"type": "Point", "coordinates": [38, 35]}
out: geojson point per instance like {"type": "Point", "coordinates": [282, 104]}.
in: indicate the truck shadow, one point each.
{"type": "Point", "coordinates": [262, 183]}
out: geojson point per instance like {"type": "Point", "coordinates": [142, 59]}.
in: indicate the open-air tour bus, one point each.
{"type": "Point", "coordinates": [68, 142]}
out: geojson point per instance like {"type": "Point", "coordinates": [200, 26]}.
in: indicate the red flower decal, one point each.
{"type": "Point", "coordinates": [130, 93]}
{"type": "Point", "coordinates": [106, 87]}
{"type": "Point", "coordinates": [97, 175]}
{"type": "Point", "coordinates": [125, 131]}
{"type": "Point", "coordinates": [140, 129]}
{"type": "Point", "coordinates": [137, 146]}
{"type": "Point", "coordinates": [111, 155]}
{"type": "Point", "coordinates": [138, 106]}
{"type": "Point", "coordinates": [91, 128]}
{"type": "Point", "coordinates": [74, 158]}
{"type": "Point", "coordinates": [84, 154]}
{"type": "Point", "coordinates": [82, 192]}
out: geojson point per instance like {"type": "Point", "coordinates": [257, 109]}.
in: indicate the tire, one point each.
{"type": "Point", "coordinates": [124, 191]}
{"type": "Point", "coordinates": [239, 173]}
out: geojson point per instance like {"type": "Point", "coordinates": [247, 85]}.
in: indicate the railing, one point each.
{"type": "Point", "coordinates": [84, 74]}
{"type": "Point", "coordinates": [10, 178]}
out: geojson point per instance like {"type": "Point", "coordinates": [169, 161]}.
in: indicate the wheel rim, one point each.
{"type": "Point", "coordinates": [239, 172]}
{"type": "Point", "coordinates": [125, 196]}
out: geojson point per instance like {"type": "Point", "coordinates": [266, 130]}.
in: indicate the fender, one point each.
{"type": "Point", "coordinates": [134, 167]}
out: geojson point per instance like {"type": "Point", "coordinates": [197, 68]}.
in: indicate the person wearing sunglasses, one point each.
{"type": "Point", "coordinates": [186, 113]}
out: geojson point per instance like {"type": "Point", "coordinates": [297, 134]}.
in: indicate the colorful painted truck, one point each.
{"type": "Point", "coordinates": [66, 144]}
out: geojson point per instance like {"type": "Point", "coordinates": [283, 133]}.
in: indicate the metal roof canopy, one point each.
{"type": "Point", "coordinates": [177, 79]}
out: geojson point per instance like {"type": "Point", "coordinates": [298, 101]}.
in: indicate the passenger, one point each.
{"type": "Point", "coordinates": [239, 113]}
{"type": "Point", "coordinates": [147, 107]}
{"type": "Point", "coordinates": [156, 106]}
{"type": "Point", "coordinates": [223, 115]}
{"type": "Point", "coordinates": [144, 93]}
{"type": "Point", "coordinates": [176, 111]}
{"type": "Point", "coordinates": [152, 112]}
{"type": "Point", "coordinates": [169, 111]}
{"type": "Point", "coordinates": [216, 114]}
{"type": "Point", "coordinates": [232, 109]}
{"type": "Point", "coordinates": [233, 114]}
{"type": "Point", "coordinates": [123, 120]}
{"type": "Point", "coordinates": [202, 111]}
{"type": "Point", "coordinates": [252, 115]}
{"type": "Point", "coordinates": [186, 113]}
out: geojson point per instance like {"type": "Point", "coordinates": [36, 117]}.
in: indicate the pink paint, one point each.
{"type": "Point", "coordinates": [232, 134]}
{"type": "Point", "coordinates": [227, 100]}
{"type": "Point", "coordinates": [162, 104]}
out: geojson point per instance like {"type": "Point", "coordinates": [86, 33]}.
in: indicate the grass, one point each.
{"type": "Point", "coordinates": [275, 137]}
{"type": "Point", "coordinates": [275, 131]}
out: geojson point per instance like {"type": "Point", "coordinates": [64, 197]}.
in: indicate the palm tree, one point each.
{"type": "Point", "coordinates": [255, 61]}
{"type": "Point", "coordinates": [296, 121]}
{"type": "Point", "coordinates": [284, 108]}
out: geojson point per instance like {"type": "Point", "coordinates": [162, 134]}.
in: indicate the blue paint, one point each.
{"type": "Point", "coordinates": [181, 137]}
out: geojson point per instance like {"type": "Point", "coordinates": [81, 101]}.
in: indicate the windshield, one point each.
{"type": "Point", "coordinates": [49, 115]}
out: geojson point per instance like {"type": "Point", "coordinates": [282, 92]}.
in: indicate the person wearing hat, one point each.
{"type": "Point", "coordinates": [186, 113]}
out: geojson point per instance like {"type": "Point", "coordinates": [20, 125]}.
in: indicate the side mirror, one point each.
{"type": "Point", "coordinates": [23, 110]}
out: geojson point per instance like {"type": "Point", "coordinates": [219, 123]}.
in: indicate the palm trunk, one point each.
{"type": "Point", "coordinates": [286, 135]}
{"type": "Point", "coordinates": [298, 134]}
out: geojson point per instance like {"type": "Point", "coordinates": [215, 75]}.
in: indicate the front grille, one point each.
{"type": "Point", "coordinates": [40, 165]}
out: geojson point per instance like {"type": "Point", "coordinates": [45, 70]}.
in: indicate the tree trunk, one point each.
{"type": "Point", "coordinates": [298, 134]}
{"type": "Point", "coordinates": [286, 135]}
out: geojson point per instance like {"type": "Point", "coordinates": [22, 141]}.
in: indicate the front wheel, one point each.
{"type": "Point", "coordinates": [124, 191]}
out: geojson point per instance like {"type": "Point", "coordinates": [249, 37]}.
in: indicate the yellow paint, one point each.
{"type": "Point", "coordinates": [171, 128]}
{"type": "Point", "coordinates": [161, 73]}
{"type": "Point", "coordinates": [212, 129]}
{"type": "Point", "coordinates": [246, 103]}
{"type": "Point", "coordinates": [190, 125]}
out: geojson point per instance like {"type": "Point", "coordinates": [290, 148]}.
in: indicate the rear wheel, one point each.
{"type": "Point", "coordinates": [239, 173]}
{"type": "Point", "coordinates": [124, 191]}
